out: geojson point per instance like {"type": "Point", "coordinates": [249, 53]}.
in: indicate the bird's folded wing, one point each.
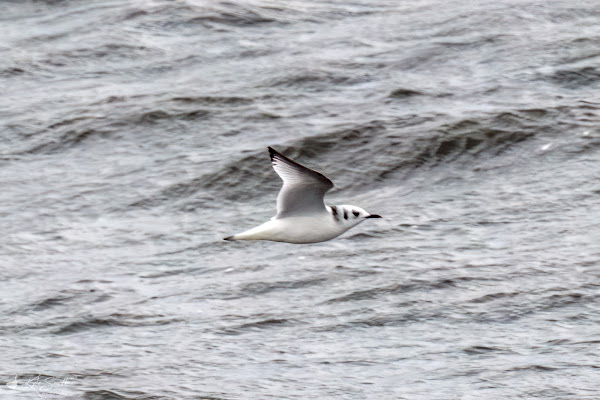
{"type": "Point", "coordinates": [303, 189]}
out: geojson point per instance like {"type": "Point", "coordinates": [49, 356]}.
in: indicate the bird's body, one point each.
{"type": "Point", "coordinates": [305, 228]}
{"type": "Point", "coordinates": [302, 217]}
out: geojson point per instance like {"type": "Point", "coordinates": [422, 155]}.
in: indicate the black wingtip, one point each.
{"type": "Point", "coordinates": [272, 152]}
{"type": "Point", "coordinates": [277, 156]}
{"type": "Point", "coordinates": [228, 238]}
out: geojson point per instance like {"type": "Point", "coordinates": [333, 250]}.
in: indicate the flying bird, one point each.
{"type": "Point", "coordinates": [302, 216]}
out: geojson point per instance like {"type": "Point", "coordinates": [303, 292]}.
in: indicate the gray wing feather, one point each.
{"type": "Point", "coordinates": [303, 189]}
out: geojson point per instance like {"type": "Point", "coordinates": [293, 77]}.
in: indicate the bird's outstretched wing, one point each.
{"type": "Point", "coordinates": [303, 189]}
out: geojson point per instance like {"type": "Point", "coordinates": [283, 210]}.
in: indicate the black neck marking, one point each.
{"type": "Point", "coordinates": [334, 212]}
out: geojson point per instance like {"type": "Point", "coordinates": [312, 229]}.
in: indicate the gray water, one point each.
{"type": "Point", "coordinates": [133, 139]}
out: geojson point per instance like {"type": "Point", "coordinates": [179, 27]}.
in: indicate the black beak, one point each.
{"type": "Point", "coordinates": [373, 216]}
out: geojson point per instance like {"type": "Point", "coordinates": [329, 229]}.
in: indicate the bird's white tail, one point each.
{"type": "Point", "coordinates": [261, 232]}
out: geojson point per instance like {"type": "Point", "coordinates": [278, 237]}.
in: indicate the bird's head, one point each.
{"type": "Point", "coordinates": [364, 214]}
{"type": "Point", "coordinates": [351, 214]}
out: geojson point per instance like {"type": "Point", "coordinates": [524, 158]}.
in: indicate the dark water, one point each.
{"type": "Point", "coordinates": [133, 138]}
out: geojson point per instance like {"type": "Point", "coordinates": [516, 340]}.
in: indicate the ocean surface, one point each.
{"type": "Point", "coordinates": [133, 138]}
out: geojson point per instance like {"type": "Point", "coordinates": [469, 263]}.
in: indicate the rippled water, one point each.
{"type": "Point", "coordinates": [134, 139]}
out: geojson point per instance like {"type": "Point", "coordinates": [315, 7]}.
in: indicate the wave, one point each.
{"type": "Point", "coordinates": [378, 149]}
{"type": "Point", "coordinates": [104, 120]}
{"type": "Point", "coordinates": [396, 288]}
{"type": "Point", "coordinates": [184, 15]}
{"type": "Point", "coordinates": [264, 323]}
{"type": "Point", "coordinates": [575, 78]}
{"type": "Point", "coordinates": [116, 319]}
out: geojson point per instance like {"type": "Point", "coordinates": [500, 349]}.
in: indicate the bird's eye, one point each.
{"type": "Point", "coordinates": [355, 213]}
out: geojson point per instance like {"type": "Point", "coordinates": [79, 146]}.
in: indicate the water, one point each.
{"type": "Point", "coordinates": [134, 139]}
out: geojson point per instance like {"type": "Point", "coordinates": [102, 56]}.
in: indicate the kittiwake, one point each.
{"type": "Point", "coordinates": [302, 216]}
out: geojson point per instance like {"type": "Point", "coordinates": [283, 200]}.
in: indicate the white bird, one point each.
{"type": "Point", "coordinates": [302, 216]}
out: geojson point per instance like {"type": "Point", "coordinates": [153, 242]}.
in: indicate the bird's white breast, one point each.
{"type": "Point", "coordinates": [307, 229]}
